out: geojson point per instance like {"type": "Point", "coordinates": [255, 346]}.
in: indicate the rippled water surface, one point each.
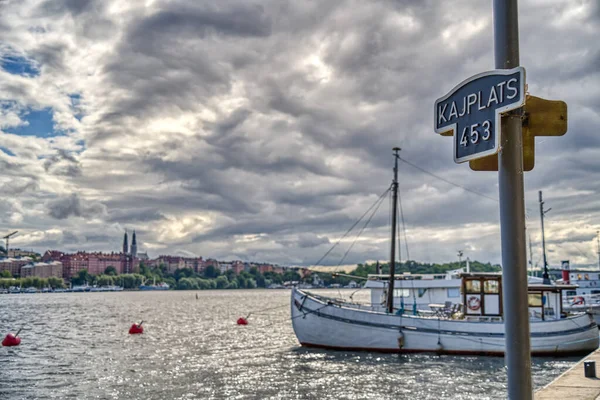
{"type": "Point", "coordinates": [76, 346]}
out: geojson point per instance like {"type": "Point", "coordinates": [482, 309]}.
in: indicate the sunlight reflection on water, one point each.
{"type": "Point", "coordinates": [75, 345]}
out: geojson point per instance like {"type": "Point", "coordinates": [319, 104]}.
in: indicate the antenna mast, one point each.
{"type": "Point", "coordinates": [543, 212]}
{"type": "Point", "coordinates": [598, 240]}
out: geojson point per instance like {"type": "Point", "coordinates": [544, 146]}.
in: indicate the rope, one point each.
{"type": "Point", "coordinates": [292, 318]}
{"type": "Point", "coordinates": [266, 309]}
{"type": "Point", "coordinates": [380, 200]}
{"type": "Point", "coordinates": [447, 181]}
{"type": "Point", "coordinates": [403, 225]}
{"type": "Point", "coordinates": [351, 228]}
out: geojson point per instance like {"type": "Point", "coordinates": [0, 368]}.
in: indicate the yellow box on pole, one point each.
{"type": "Point", "coordinates": [541, 117]}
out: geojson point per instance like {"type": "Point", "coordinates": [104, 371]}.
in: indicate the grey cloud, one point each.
{"type": "Point", "coordinates": [311, 240]}
{"type": "Point", "coordinates": [63, 163]}
{"type": "Point", "coordinates": [73, 205]}
{"type": "Point", "coordinates": [135, 215]}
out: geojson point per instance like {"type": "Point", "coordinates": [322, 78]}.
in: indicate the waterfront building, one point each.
{"type": "Point", "coordinates": [173, 263]}
{"type": "Point", "coordinates": [43, 269]}
{"type": "Point", "coordinates": [13, 265]}
{"type": "Point", "coordinates": [21, 253]}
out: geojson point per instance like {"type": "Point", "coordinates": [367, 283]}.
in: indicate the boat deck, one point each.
{"type": "Point", "coordinates": [573, 384]}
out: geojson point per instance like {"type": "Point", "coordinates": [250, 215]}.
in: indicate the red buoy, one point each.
{"type": "Point", "coordinates": [136, 329]}
{"type": "Point", "coordinates": [242, 321]}
{"type": "Point", "coordinates": [11, 340]}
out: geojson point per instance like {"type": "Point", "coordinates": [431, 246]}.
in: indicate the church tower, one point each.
{"type": "Point", "coordinates": [133, 246]}
{"type": "Point", "coordinates": [125, 243]}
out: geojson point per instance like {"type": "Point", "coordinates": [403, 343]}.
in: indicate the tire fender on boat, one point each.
{"type": "Point", "coordinates": [579, 300]}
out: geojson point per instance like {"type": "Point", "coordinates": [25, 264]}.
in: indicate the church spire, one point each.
{"type": "Point", "coordinates": [133, 245]}
{"type": "Point", "coordinates": [125, 243]}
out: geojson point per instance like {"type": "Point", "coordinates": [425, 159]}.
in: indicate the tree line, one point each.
{"type": "Point", "coordinates": [212, 278]}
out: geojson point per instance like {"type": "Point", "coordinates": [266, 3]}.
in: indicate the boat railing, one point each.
{"type": "Point", "coordinates": [582, 300]}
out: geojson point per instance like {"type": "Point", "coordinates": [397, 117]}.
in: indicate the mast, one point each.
{"type": "Point", "coordinates": [530, 255]}
{"type": "Point", "coordinates": [390, 299]}
{"type": "Point", "coordinates": [545, 275]}
{"type": "Point", "coordinates": [598, 240]}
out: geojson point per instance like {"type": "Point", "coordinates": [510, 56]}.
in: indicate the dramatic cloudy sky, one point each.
{"type": "Point", "coordinates": [262, 130]}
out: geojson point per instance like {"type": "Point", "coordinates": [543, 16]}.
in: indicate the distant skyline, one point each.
{"type": "Point", "coordinates": [262, 130]}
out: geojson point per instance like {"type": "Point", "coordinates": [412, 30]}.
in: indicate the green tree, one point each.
{"type": "Point", "coordinates": [222, 282]}
{"type": "Point", "coordinates": [5, 274]}
{"type": "Point", "coordinates": [183, 273]}
{"type": "Point", "coordinates": [291, 275]}
{"type": "Point", "coordinates": [82, 277]}
{"type": "Point", "coordinates": [110, 270]}
{"type": "Point", "coordinates": [104, 280]}
{"type": "Point", "coordinates": [232, 285]}
{"type": "Point", "coordinates": [203, 284]}
{"type": "Point", "coordinates": [128, 281]}
{"type": "Point", "coordinates": [187, 284]}
{"type": "Point", "coordinates": [211, 272]}
{"type": "Point", "coordinates": [56, 283]}
{"type": "Point", "coordinates": [261, 281]}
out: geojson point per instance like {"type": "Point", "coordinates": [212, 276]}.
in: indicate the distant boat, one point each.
{"type": "Point", "coordinates": [81, 288]}
{"type": "Point", "coordinates": [154, 286]}
{"type": "Point", "coordinates": [30, 290]}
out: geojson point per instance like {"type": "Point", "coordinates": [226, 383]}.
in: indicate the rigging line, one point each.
{"type": "Point", "coordinates": [361, 230]}
{"type": "Point", "coordinates": [351, 228]}
{"type": "Point", "coordinates": [403, 225]}
{"type": "Point", "coordinates": [447, 181]}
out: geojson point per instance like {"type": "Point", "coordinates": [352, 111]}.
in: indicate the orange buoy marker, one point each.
{"type": "Point", "coordinates": [12, 340]}
{"type": "Point", "coordinates": [136, 329]}
{"type": "Point", "coordinates": [242, 321]}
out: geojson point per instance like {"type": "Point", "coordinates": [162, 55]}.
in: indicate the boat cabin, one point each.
{"type": "Point", "coordinates": [415, 289]}
{"type": "Point", "coordinates": [482, 297]}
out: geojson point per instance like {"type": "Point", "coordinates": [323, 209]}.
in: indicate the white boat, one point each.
{"type": "Point", "coordinates": [473, 324]}
{"type": "Point", "coordinates": [154, 286]}
{"type": "Point", "coordinates": [329, 323]}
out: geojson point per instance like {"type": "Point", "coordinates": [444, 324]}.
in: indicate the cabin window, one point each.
{"type": "Point", "coordinates": [595, 291]}
{"type": "Point", "coordinates": [473, 286]}
{"type": "Point", "coordinates": [535, 299]}
{"type": "Point", "coordinates": [571, 292]}
{"type": "Point", "coordinates": [587, 277]}
{"type": "Point", "coordinates": [491, 287]}
{"type": "Point", "coordinates": [401, 293]}
{"type": "Point", "coordinates": [422, 291]}
{"type": "Point", "coordinates": [578, 277]}
{"type": "Point", "coordinates": [453, 292]}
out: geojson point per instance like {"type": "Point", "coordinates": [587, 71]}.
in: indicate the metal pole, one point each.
{"type": "Point", "coordinates": [512, 215]}
{"type": "Point", "coordinates": [390, 299]}
{"type": "Point", "coordinates": [598, 240]}
{"type": "Point", "coordinates": [545, 275]}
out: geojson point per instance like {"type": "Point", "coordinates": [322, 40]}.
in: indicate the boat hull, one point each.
{"type": "Point", "coordinates": [320, 323]}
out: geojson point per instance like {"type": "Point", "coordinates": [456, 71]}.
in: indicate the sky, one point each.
{"type": "Point", "coordinates": [263, 130]}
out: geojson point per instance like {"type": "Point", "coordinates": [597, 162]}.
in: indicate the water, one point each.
{"type": "Point", "coordinates": [76, 346]}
